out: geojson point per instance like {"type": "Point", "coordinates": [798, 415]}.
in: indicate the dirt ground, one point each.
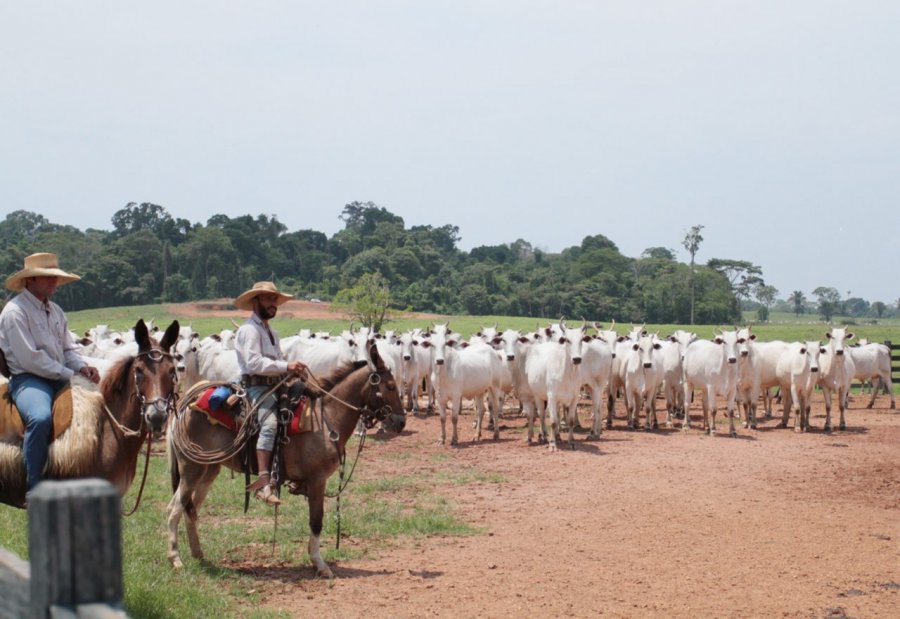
{"type": "Point", "coordinates": [661, 524]}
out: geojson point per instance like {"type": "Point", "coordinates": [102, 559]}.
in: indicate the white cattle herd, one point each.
{"type": "Point", "coordinates": [550, 369]}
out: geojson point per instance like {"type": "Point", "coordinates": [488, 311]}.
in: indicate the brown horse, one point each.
{"type": "Point", "coordinates": [309, 459]}
{"type": "Point", "coordinates": [108, 428]}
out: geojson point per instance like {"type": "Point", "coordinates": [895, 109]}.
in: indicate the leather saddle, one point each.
{"type": "Point", "coordinates": [12, 430]}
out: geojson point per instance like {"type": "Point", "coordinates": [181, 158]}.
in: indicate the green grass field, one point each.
{"type": "Point", "coordinates": [783, 326]}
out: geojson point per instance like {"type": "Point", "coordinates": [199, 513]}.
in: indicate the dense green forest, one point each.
{"type": "Point", "coordinates": [149, 256]}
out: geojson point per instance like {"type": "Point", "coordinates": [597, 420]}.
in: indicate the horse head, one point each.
{"type": "Point", "coordinates": [155, 379]}
{"type": "Point", "coordinates": [384, 395]}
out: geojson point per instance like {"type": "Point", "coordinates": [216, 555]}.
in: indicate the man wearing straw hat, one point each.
{"type": "Point", "coordinates": [40, 353]}
{"type": "Point", "coordinates": [262, 366]}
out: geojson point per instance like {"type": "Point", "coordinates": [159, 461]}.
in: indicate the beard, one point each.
{"type": "Point", "coordinates": [266, 313]}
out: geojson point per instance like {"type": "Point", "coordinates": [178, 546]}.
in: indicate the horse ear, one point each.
{"type": "Point", "coordinates": [373, 352]}
{"type": "Point", "coordinates": [170, 336]}
{"type": "Point", "coordinates": [141, 336]}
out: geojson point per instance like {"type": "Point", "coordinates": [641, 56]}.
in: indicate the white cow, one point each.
{"type": "Point", "coordinates": [554, 377]}
{"type": "Point", "coordinates": [671, 366]}
{"type": "Point", "coordinates": [873, 362]}
{"type": "Point", "coordinates": [470, 372]}
{"type": "Point", "coordinates": [836, 372]}
{"type": "Point", "coordinates": [712, 366]}
{"type": "Point", "coordinates": [757, 372]}
{"type": "Point", "coordinates": [416, 364]}
{"type": "Point", "coordinates": [595, 370]}
{"type": "Point", "coordinates": [642, 377]}
{"type": "Point", "coordinates": [796, 371]}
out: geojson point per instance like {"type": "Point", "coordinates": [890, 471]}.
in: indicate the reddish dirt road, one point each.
{"type": "Point", "coordinates": [662, 524]}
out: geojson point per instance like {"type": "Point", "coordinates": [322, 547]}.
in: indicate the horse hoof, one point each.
{"type": "Point", "coordinates": [177, 564]}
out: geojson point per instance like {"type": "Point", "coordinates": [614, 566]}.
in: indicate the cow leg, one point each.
{"type": "Point", "coordinates": [827, 393]}
{"type": "Point", "coordinates": [842, 406]}
{"type": "Point", "coordinates": [688, 388]}
{"type": "Point", "coordinates": [455, 409]}
{"type": "Point", "coordinates": [786, 411]}
{"type": "Point", "coordinates": [596, 413]}
{"type": "Point", "coordinates": [797, 406]}
{"type": "Point", "coordinates": [553, 411]}
{"type": "Point", "coordinates": [316, 503]}
{"type": "Point", "coordinates": [572, 421]}
{"type": "Point", "coordinates": [529, 410]}
{"type": "Point", "coordinates": [495, 413]}
{"type": "Point", "coordinates": [442, 411]}
{"type": "Point", "coordinates": [709, 410]}
{"type": "Point", "coordinates": [610, 405]}
{"type": "Point", "coordinates": [479, 415]}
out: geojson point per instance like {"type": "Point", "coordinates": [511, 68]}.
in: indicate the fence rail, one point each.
{"type": "Point", "coordinates": [75, 551]}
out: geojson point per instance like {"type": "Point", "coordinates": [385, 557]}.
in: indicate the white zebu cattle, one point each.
{"type": "Point", "coordinates": [757, 372]}
{"type": "Point", "coordinates": [216, 361]}
{"type": "Point", "coordinates": [836, 372]}
{"type": "Point", "coordinates": [319, 355]}
{"type": "Point", "coordinates": [617, 375]}
{"type": "Point", "coordinates": [796, 371]}
{"type": "Point", "coordinates": [554, 377]}
{"type": "Point", "coordinates": [469, 372]}
{"type": "Point", "coordinates": [712, 366]}
{"type": "Point", "coordinates": [512, 347]}
{"type": "Point", "coordinates": [671, 366]}
{"type": "Point", "coordinates": [102, 365]}
{"type": "Point", "coordinates": [873, 362]}
{"type": "Point", "coordinates": [642, 379]}
{"type": "Point", "coordinates": [595, 370]}
{"type": "Point", "coordinates": [416, 364]}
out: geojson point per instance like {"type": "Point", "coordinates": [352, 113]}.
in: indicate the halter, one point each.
{"type": "Point", "coordinates": [156, 355]}
{"type": "Point", "coordinates": [163, 404]}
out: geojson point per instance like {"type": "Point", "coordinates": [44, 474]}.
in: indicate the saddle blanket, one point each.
{"type": "Point", "coordinates": [229, 416]}
{"type": "Point", "coordinates": [11, 426]}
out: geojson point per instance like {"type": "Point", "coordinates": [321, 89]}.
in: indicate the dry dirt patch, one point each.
{"type": "Point", "coordinates": [662, 524]}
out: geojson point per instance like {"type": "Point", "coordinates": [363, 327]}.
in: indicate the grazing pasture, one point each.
{"type": "Point", "coordinates": [665, 523]}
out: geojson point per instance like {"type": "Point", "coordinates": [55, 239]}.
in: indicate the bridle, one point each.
{"type": "Point", "coordinates": [167, 404]}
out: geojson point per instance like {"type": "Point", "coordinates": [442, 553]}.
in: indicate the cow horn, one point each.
{"type": "Point", "coordinates": [562, 323]}
{"type": "Point", "coordinates": [236, 325]}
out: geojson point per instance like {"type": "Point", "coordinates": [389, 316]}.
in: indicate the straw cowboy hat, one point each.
{"type": "Point", "coordinates": [39, 265]}
{"type": "Point", "coordinates": [245, 301]}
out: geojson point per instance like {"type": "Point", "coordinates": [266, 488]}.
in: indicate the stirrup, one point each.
{"type": "Point", "coordinates": [267, 495]}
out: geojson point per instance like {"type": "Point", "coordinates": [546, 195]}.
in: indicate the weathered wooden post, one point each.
{"type": "Point", "coordinates": [74, 546]}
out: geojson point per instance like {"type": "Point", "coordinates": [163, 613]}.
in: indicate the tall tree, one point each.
{"type": "Point", "coordinates": [878, 307]}
{"type": "Point", "coordinates": [829, 301]}
{"type": "Point", "coordinates": [368, 301]}
{"type": "Point", "coordinates": [691, 243]}
{"type": "Point", "coordinates": [798, 300]}
{"type": "Point", "coordinates": [743, 276]}
{"type": "Point", "coordinates": [766, 296]}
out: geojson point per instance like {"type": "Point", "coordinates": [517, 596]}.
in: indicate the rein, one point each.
{"type": "Point", "coordinates": [156, 355]}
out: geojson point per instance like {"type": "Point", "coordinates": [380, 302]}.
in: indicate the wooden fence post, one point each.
{"type": "Point", "coordinates": [74, 545]}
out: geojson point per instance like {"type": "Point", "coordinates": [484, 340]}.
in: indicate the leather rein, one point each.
{"type": "Point", "coordinates": [156, 355]}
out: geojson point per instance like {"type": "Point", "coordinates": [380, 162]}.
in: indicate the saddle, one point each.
{"type": "Point", "coordinates": [13, 430]}
{"type": "Point", "coordinates": [230, 412]}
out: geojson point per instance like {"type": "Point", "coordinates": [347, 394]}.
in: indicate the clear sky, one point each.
{"type": "Point", "coordinates": [774, 124]}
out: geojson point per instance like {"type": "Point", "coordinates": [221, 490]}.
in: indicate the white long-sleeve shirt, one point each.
{"type": "Point", "coordinates": [35, 338]}
{"type": "Point", "coordinates": [256, 353]}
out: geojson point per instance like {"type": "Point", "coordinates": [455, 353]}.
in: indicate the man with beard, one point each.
{"type": "Point", "coordinates": [262, 366]}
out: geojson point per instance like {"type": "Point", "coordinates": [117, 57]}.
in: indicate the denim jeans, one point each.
{"type": "Point", "coordinates": [33, 396]}
{"type": "Point", "coordinates": [268, 426]}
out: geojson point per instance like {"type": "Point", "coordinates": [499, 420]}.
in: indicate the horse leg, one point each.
{"type": "Point", "coordinates": [201, 489]}
{"type": "Point", "coordinates": [316, 503]}
{"type": "Point", "coordinates": [173, 517]}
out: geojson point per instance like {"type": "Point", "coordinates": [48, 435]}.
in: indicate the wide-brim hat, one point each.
{"type": "Point", "coordinates": [245, 301]}
{"type": "Point", "coordinates": [39, 265]}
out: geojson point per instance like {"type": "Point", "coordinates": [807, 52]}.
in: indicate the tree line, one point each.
{"type": "Point", "coordinates": [149, 256]}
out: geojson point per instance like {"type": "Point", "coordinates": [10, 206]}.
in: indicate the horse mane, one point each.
{"type": "Point", "coordinates": [340, 374]}
{"type": "Point", "coordinates": [116, 378]}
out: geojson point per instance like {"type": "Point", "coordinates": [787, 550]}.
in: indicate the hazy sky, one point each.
{"type": "Point", "coordinates": [774, 124]}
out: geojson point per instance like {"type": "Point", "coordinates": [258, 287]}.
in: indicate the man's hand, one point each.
{"type": "Point", "coordinates": [90, 373]}
{"type": "Point", "coordinates": [298, 368]}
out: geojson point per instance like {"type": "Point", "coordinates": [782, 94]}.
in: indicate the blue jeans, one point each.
{"type": "Point", "coordinates": [268, 426]}
{"type": "Point", "coordinates": [33, 396]}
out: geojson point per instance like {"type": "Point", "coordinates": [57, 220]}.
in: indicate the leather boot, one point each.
{"type": "Point", "coordinates": [262, 488]}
